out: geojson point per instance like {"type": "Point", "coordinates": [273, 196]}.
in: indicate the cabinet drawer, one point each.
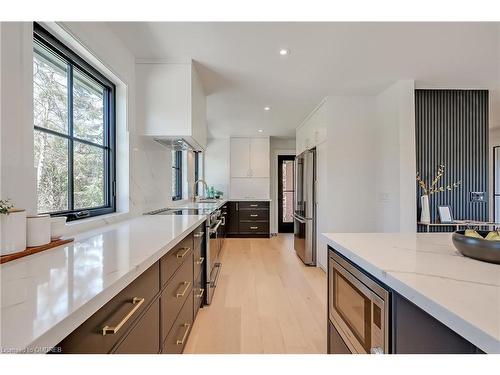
{"type": "Point", "coordinates": [89, 338]}
{"type": "Point", "coordinates": [198, 294]}
{"type": "Point", "coordinates": [199, 260]}
{"type": "Point", "coordinates": [175, 294]}
{"type": "Point", "coordinates": [254, 227]}
{"type": "Point", "coordinates": [199, 236]}
{"type": "Point", "coordinates": [176, 339]}
{"type": "Point", "coordinates": [262, 215]}
{"type": "Point", "coordinates": [253, 205]}
{"type": "Point", "coordinates": [172, 261]}
{"type": "Point", "coordinates": [144, 337]}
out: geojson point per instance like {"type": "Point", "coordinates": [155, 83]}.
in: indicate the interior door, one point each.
{"type": "Point", "coordinates": [285, 193]}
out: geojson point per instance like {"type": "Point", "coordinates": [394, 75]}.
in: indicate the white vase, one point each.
{"type": "Point", "coordinates": [425, 213]}
{"type": "Point", "coordinates": [57, 227]}
{"type": "Point", "coordinates": [13, 232]}
{"type": "Point", "coordinates": [38, 230]}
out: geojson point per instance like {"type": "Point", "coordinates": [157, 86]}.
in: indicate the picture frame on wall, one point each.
{"type": "Point", "coordinates": [445, 215]}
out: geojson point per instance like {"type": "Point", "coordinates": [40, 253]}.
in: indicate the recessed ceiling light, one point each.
{"type": "Point", "coordinates": [284, 51]}
{"type": "Point", "coordinates": [260, 131]}
{"type": "Point", "coordinates": [267, 108]}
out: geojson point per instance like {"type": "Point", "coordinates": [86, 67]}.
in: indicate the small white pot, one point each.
{"type": "Point", "coordinates": [38, 230]}
{"type": "Point", "coordinates": [57, 227]}
{"type": "Point", "coordinates": [13, 232]}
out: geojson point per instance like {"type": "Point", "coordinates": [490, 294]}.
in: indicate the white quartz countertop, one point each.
{"type": "Point", "coordinates": [47, 295]}
{"type": "Point", "coordinates": [425, 268]}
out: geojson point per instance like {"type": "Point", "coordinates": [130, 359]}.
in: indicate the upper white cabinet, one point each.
{"type": "Point", "coordinates": [312, 131]}
{"type": "Point", "coordinates": [250, 157]}
{"type": "Point", "coordinates": [250, 168]}
{"type": "Point", "coordinates": [260, 157]}
{"type": "Point", "coordinates": [171, 103]}
{"type": "Point", "coordinates": [240, 157]}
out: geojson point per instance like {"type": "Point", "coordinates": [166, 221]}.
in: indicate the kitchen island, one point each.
{"type": "Point", "coordinates": [46, 296]}
{"type": "Point", "coordinates": [426, 272]}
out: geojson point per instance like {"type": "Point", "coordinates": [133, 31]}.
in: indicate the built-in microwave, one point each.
{"type": "Point", "coordinates": [358, 307]}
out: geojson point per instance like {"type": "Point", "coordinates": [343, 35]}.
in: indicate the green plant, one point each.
{"type": "Point", "coordinates": [5, 206]}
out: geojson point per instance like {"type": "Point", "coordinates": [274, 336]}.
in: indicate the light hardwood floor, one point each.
{"type": "Point", "coordinates": [266, 301]}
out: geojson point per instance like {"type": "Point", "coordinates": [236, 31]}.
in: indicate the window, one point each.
{"type": "Point", "coordinates": [176, 175]}
{"type": "Point", "coordinates": [198, 170]}
{"type": "Point", "coordinates": [74, 124]}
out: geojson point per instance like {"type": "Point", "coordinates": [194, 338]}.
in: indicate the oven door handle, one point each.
{"type": "Point", "coordinates": [215, 227]}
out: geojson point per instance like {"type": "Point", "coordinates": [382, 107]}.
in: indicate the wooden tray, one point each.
{"type": "Point", "coordinates": [34, 250]}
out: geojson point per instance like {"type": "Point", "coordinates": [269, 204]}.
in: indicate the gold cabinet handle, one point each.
{"type": "Point", "coordinates": [186, 287]}
{"type": "Point", "coordinates": [254, 227]}
{"type": "Point", "coordinates": [112, 330]}
{"type": "Point", "coordinates": [199, 234]}
{"type": "Point", "coordinates": [200, 261]}
{"type": "Point", "coordinates": [202, 291]}
{"type": "Point", "coordinates": [186, 250]}
{"type": "Point", "coordinates": [254, 215]}
{"type": "Point", "coordinates": [184, 336]}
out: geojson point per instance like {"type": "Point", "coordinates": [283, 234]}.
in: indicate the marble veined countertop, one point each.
{"type": "Point", "coordinates": [462, 293]}
{"type": "Point", "coordinates": [45, 296]}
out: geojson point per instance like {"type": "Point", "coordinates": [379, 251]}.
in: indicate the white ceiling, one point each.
{"type": "Point", "coordinates": [242, 70]}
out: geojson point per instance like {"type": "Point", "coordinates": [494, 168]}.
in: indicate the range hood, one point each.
{"type": "Point", "coordinates": [171, 105]}
{"type": "Point", "coordinates": [179, 144]}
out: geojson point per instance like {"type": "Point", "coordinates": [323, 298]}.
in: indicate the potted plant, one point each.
{"type": "Point", "coordinates": [425, 215]}
{"type": "Point", "coordinates": [12, 228]}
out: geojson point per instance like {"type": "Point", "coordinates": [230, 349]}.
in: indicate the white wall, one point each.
{"type": "Point", "coordinates": [16, 121]}
{"type": "Point", "coordinates": [279, 146]}
{"type": "Point", "coordinates": [366, 166]}
{"type": "Point", "coordinates": [144, 167]}
{"type": "Point", "coordinates": [395, 182]}
{"type": "Point", "coordinates": [217, 164]}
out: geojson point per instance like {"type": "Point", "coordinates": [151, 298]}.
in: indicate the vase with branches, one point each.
{"type": "Point", "coordinates": [433, 188]}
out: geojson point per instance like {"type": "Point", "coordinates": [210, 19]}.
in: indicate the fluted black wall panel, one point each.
{"type": "Point", "coordinates": [452, 129]}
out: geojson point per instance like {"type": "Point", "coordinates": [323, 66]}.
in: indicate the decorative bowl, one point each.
{"type": "Point", "coordinates": [477, 248]}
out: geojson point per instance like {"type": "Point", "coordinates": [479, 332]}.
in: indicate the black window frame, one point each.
{"type": "Point", "coordinates": [73, 60]}
{"type": "Point", "coordinates": [197, 156]}
{"type": "Point", "coordinates": [177, 170]}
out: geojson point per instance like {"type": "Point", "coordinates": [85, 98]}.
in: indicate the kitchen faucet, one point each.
{"type": "Point", "coordinates": [194, 188]}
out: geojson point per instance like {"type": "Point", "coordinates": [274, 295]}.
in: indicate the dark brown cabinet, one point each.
{"type": "Point", "coordinates": [152, 314]}
{"type": "Point", "coordinates": [248, 219]}
{"type": "Point", "coordinates": [122, 311]}
{"type": "Point", "coordinates": [177, 337]}
{"type": "Point", "coordinates": [233, 219]}
{"type": "Point", "coordinates": [416, 332]}
{"type": "Point", "coordinates": [175, 294]}
{"type": "Point", "coordinates": [144, 337]}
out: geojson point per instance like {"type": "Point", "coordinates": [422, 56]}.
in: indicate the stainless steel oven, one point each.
{"type": "Point", "coordinates": [358, 307]}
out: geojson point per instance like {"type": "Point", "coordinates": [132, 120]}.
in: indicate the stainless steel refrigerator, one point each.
{"type": "Point", "coordinates": [304, 216]}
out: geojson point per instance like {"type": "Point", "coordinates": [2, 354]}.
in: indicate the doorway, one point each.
{"type": "Point", "coordinates": [285, 193]}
